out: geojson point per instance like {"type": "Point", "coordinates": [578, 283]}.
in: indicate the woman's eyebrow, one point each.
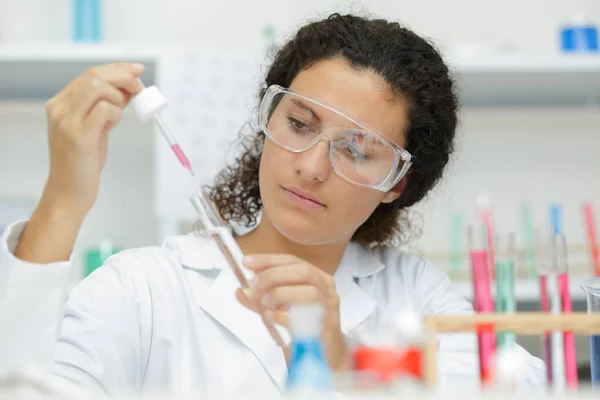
{"type": "Point", "coordinates": [305, 107]}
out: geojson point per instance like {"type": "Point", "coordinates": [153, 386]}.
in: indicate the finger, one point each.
{"type": "Point", "coordinates": [104, 115]}
{"type": "Point", "coordinates": [121, 75]}
{"type": "Point", "coordinates": [270, 324]}
{"type": "Point", "coordinates": [127, 95]}
{"type": "Point", "coordinates": [272, 318]}
{"type": "Point", "coordinates": [91, 92]}
{"type": "Point", "coordinates": [281, 317]}
{"type": "Point", "coordinates": [261, 261]}
{"type": "Point", "coordinates": [245, 297]}
{"type": "Point", "coordinates": [244, 300]}
{"type": "Point", "coordinates": [282, 296]}
{"type": "Point", "coordinates": [288, 275]}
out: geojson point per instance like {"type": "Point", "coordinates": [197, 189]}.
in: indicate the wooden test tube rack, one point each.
{"type": "Point", "coordinates": [523, 323]}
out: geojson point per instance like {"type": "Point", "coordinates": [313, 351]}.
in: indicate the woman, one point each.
{"type": "Point", "coordinates": [357, 121]}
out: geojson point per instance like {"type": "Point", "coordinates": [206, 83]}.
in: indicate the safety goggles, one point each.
{"type": "Point", "coordinates": [357, 153]}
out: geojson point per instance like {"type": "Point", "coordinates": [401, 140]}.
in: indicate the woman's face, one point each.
{"type": "Point", "coordinates": [287, 179]}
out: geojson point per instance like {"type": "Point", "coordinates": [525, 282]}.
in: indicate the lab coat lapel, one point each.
{"type": "Point", "coordinates": [356, 305]}
{"type": "Point", "coordinates": [221, 304]}
{"type": "Point", "coordinates": [246, 325]}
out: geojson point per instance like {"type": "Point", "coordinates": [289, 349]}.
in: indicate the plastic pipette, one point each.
{"type": "Point", "coordinates": [162, 127]}
{"type": "Point", "coordinates": [148, 104]}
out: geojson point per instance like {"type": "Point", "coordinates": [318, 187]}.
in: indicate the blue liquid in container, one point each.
{"type": "Point", "coordinates": [308, 368]}
{"type": "Point", "coordinates": [579, 39]}
{"type": "Point", "coordinates": [87, 20]}
{"type": "Point", "coordinates": [595, 360]}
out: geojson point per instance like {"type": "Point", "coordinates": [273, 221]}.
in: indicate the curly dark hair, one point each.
{"type": "Point", "coordinates": [414, 71]}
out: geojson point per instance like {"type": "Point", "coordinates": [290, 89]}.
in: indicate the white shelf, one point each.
{"type": "Point", "coordinates": [528, 81]}
{"type": "Point", "coordinates": [37, 72]}
{"type": "Point", "coordinates": [76, 52]}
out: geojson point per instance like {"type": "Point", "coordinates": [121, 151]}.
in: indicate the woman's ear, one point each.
{"type": "Point", "coordinates": [396, 191]}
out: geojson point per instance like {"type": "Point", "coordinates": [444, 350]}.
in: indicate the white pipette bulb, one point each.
{"type": "Point", "coordinates": [147, 103]}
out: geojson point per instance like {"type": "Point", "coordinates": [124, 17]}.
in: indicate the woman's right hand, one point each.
{"type": "Point", "coordinates": [80, 118]}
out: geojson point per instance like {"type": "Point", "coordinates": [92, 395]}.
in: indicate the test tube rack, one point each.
{"type": "Point", "coordinates": [523, 323]}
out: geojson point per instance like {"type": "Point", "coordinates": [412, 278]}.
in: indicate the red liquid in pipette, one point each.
{"type": "Point", "coordinates": [182, 158]}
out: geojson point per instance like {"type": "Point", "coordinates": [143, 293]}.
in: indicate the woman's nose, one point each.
{"type": "Point", "coordinates": [313, 163]}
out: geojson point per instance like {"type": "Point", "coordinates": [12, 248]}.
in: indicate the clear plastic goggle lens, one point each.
{"type": "Point", "coordinates": [361, 156]}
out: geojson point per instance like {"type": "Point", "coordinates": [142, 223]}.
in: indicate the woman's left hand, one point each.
{"type": "Point", "coordinates": [281, 280]}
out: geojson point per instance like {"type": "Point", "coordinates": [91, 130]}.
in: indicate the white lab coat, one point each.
{"type": "Point", "coordinates": [166, 318]}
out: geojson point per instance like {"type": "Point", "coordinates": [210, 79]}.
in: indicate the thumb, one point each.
{"type": "Point", "coordinates": [279, 316]}
{"type": "Point", "coordinates": [242, 295]}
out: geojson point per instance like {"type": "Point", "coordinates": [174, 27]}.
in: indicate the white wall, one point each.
{"type": "Point", "coordinates": [527, 25]}
{"type": "Point", "coordinates": [534, 156]}
{"type": "Point", "coordinates": [516, 155]}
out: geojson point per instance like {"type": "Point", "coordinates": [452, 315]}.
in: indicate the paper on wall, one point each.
{"type": "Point", "coordinates": [211, 94]}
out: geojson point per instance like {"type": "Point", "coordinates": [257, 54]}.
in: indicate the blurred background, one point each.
{"type": "Point", "coordinates": [528, 73]}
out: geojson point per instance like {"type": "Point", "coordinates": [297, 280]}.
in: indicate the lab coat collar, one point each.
{"type": "Point", "coordinates": [200, 253]}
{"type": "Point", "coordinates": [355, 304]}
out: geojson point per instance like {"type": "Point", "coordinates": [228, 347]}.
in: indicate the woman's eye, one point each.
{"type": "Point", "coordinates": [300, 127]}
{"type": "Point", "coordinates": [354, 154]}
{"type": "Point", "coordinates": [296, 124]}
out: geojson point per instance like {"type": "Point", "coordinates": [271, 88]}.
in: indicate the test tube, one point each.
{"type": "Point", "coordinates": [478, 242]}
{"type": "Point", "coordinates": [544, 259]}
{"type": "Point", "coordinates": [505, 283]}
{"type": "Point", "coordinates": [567, 307]}
{"type": "Point", "coordinates": [556, 338]}
{"type": "Point", "coordinates": [590, 229]}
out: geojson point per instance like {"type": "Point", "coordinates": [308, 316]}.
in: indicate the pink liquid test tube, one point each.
{"type": "Point", "coordinates": [590, 227]}
{"type": "Point", "coordinates": [567, 307]}
{"type": "Point", "coordinates": [480, 275]}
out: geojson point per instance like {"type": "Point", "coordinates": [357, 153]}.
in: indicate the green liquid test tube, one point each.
{"type": "Point", "coordinates": [505, 284]}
